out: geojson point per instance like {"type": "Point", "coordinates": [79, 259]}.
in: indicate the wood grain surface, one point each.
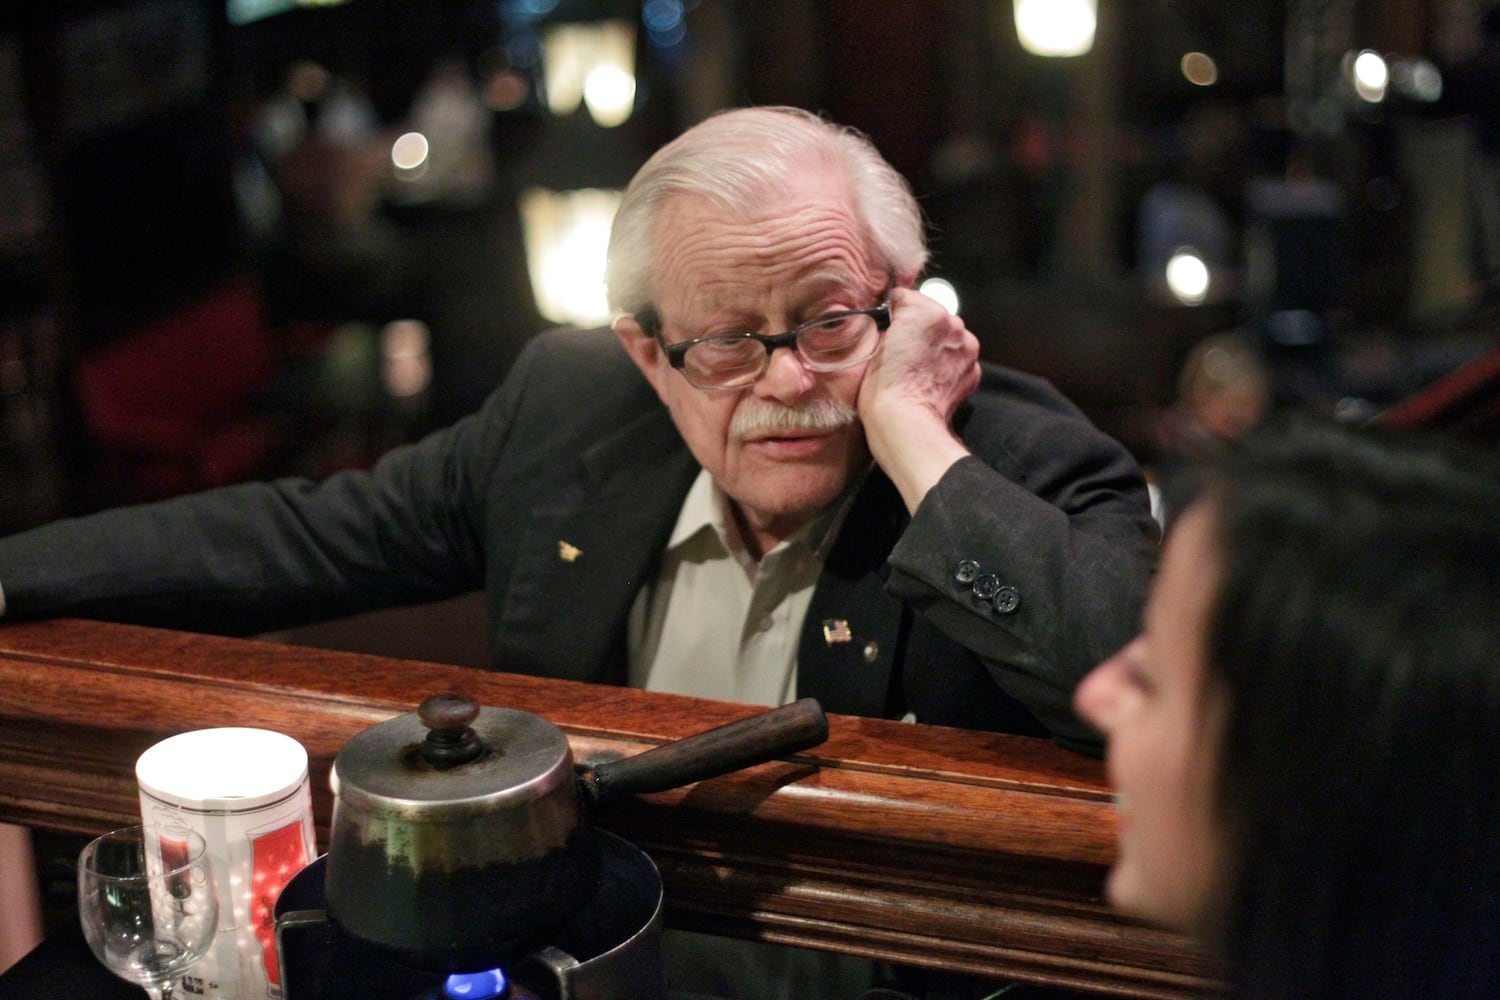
{"type": "Point", "coordinates": [973, 852]}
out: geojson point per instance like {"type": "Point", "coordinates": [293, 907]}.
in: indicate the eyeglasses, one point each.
{"type": "Point", "coordinates": [735, 360]}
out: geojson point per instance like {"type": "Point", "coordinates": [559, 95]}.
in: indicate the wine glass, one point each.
{"type": "Point", "coordinates": [147, 903]}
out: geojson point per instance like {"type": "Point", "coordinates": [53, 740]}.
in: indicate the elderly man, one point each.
{"type": "Point", "coordinates": [785, 473]}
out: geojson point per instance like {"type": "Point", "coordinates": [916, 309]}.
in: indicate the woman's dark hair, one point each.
{"type": "Point", "coordinates": [1355, 640]}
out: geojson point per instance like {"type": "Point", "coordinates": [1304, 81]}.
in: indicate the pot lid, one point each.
{"type": "Point", "coordinates": [451, 759]}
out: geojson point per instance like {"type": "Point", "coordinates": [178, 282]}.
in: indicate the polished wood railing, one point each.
{"type": "Point", "coordinates": [965, 851]}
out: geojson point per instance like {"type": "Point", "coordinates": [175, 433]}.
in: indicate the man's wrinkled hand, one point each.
{"type": "Point", "coordinates": [927, 365]}
{"type": "Point", "coordinates": [929, 360]}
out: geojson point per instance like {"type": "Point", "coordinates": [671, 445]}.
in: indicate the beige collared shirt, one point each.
{"type": "Point", "coordinates": [714, 623]}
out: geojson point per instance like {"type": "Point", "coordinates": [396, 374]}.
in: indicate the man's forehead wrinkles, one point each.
{"type": "Point", "coordinates": [790, 286]}
{"type": "Point", "coordinates": [702, 220]}
{"type": "Point", "coordinates": [762, 243]}
{"type": "Point", "coordinates": [766, 265]}
{"type": "Point", "coordinates": [812, 255]}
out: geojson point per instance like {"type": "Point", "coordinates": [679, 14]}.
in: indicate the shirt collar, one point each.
{"type": "Point", "coordinates": [706, 508]}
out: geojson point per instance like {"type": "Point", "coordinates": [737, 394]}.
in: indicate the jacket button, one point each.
{"type": "Point", "coordinates": [1007, 599]}
{"type": "Point", "coordinates": [872, 652]}
{"type": "Point", "coordinates": [986, 586]}
{"type": "Point", "coordinates": [966, 571]}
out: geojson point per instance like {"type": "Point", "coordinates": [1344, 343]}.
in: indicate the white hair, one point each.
{"type": "Point", "coordinates": [740, 159]}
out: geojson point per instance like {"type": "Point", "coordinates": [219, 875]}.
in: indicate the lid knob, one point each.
{"type": "Point", "coordinates": [450, 740]}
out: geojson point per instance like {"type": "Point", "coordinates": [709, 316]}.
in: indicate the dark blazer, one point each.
{"type": "Point", "coordinates": [1023, 568]}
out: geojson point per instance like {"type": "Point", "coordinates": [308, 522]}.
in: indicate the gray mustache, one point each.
{"type": "Point", "coordinates": [756, 416]}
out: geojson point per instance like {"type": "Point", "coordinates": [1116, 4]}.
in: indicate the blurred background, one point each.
{"type": "Point", "coordinates": [243, 238]}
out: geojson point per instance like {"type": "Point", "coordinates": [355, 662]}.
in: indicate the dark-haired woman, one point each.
{"type": "Point", "coordinates": [1305, 737]}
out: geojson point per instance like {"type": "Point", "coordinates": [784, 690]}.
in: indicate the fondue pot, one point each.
{"type": "Point", "coordinates": [610, 950]}
{"type": "Point", "coordinates": [460, 836]}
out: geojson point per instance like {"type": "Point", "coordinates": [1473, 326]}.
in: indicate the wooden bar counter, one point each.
{"type": "Point", "coordinates": [938, 847]}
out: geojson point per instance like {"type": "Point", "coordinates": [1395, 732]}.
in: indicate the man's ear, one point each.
{"type": "Point", "coordinates": [644, 351]}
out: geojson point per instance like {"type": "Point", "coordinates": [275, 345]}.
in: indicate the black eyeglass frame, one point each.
{"type": "Point", "coordinates": [651, 324]}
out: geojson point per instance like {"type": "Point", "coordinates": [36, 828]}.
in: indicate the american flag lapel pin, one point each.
{"type": "Point", "coordinates": [568, 553]}
{"type": "Point", "coordinates": [836, 630]}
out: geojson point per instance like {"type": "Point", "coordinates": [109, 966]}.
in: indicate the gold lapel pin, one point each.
{"type": "Point", "coordinates": [569, 553]}
{"type": "Point", "coordinates": [836, 630]}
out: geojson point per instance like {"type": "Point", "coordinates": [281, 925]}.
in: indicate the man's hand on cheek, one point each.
{"type": "Point", "coordinates": [928, 364]}
{"type": "Point", "coordinates": [928, 360]}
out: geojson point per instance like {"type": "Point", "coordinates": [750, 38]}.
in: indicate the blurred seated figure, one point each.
{"type": "Point", "coordinates": [1223, 390]}
{"type": "Point", "coordinates": [1302, 739]}
{"type": "Point", "coordinates": [328, 251]}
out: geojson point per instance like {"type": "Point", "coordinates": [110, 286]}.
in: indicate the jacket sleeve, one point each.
{"type": "Point", "coordinates": [260, 556]}
{"type": "Point", "coordinates": [1036, 551]}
